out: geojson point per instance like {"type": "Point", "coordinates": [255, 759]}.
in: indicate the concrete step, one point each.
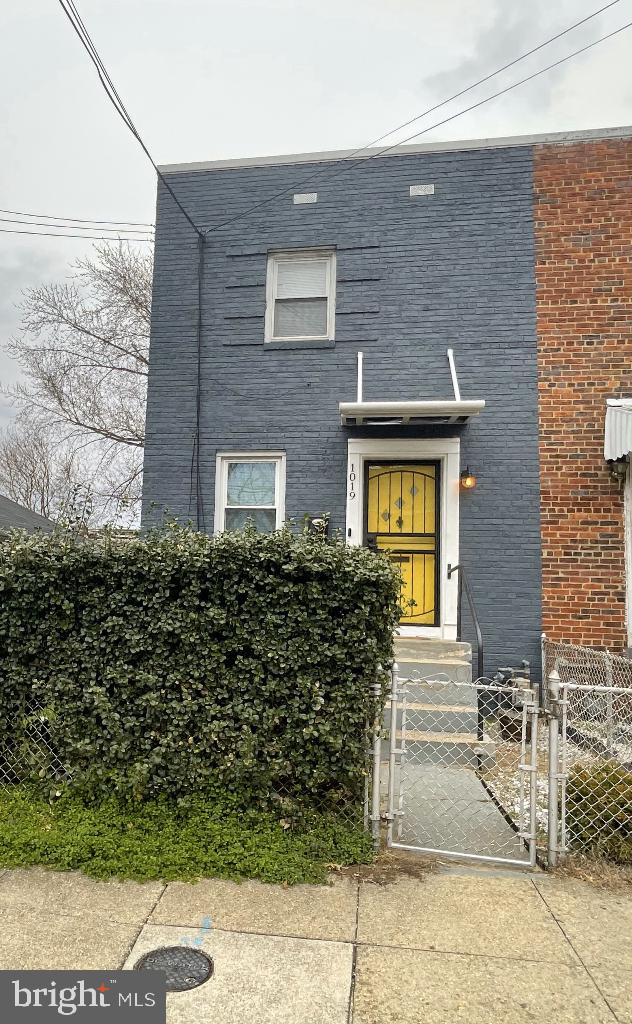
{"type": "Point", "coordinates": [426, 736]}
{"type": "Point", "coordinates": [457, 671]}
{"type": "Point", "coordinates": [440, 666]}
{"type": "Point", "coordinates": [446, 718]}
{"type": "Point", "coordinates": [439, 693]}
{"type": "Point", "coordinates": [444, 708]}
{"type": "Point", "coordinates": [431, 709]}
{"type": "Point", "coordinates": [421, 657]}
{"type": "Point", "coordinates": [424, 650]}
{"type": "Point", "coordinates": [453, 750]}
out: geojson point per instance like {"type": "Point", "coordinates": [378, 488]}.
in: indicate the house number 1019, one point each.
{"type": "Point", "coordinates": [352, 477]}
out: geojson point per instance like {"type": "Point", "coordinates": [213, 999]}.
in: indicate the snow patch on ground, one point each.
{"type": "Point", "coordinates": [510, 784]}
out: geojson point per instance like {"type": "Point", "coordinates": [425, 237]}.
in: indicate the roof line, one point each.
{"type": "Point", "coordinates": [554, 138]}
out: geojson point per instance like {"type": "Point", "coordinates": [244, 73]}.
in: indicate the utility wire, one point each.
{"type": "Point", "coordinates": [508, 88]}
{"type": "Point", "coordinates": [79, 28]}
{"type": "Point", "coordinates": [75, 227]}
{"type": "Point", "coordinates": [486, 78]}
{"type": "Point", "coordinates": [95, 238]}
{"type": "Point", "coordinates": [313, 180]}
{"type": "Point", "coordinates": [81, 31]}
{"type": "Point", "coordinates": [80, 220]}
{"type": "Point", "coordinates": [84, 37]}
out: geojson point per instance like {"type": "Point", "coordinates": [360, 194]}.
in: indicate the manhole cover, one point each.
{"type": "Point", "coordinates": [184, 968]}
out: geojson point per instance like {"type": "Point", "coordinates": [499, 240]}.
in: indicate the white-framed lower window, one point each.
{"type": "Point", "coordinates": [301, 295]}
{"type": "Point", "coordinates": [250, 487]}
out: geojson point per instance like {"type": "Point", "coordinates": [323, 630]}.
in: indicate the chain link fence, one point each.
{"type": "Point", "coordinates": [589, 756]}
{"type": "Point", "coordinates": [584, 665]}
{"type": "Point", "coordinates": [27, 754]}
{"type": "Point", "coordinates": [500, 772]}
{"type": "Point", "coordinates": [348, 804]}
{"type": "Point", "coordinates": [28, 757]}
{"type": "Point", "coordinates": [596, 769]}
{"type": "Point", "coordinates": [472, 769]}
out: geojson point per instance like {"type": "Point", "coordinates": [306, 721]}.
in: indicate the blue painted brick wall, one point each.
{"type": "Point", "coordinates": [415, 276]}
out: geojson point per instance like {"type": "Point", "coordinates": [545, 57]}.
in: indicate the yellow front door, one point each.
{"type": "Point", "coordinates": [402, 518]}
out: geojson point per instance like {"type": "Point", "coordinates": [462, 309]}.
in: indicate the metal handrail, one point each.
{"type": "Point", "coordinates": [465, 585]}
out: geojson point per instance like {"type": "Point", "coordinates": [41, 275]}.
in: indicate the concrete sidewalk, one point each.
{"type": "Point", "coordinates": [460, 944]}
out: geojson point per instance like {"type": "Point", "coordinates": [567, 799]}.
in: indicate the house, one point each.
{"type": "Point", "coordinates": [416, 346]}
{"type": "Point", "coordinates": [583, 232]}
{"type": "Point", "coordinates": [16, 517]}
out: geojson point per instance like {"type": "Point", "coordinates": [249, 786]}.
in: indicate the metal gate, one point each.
{"type": "Point", "coordinates": [462, 769]}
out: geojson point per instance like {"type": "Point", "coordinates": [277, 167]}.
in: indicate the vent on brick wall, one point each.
{"type": "Point", "coordinates": [301, 198]}
{"type": "Point", "coordinates": [421, 190]}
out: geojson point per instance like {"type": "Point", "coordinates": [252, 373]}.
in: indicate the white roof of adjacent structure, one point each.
{"type": "Point", "coordinates": [618, 439]}
{"type": "Point", "coordinates": [552, 138]}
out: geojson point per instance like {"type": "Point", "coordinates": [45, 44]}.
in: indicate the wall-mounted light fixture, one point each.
{"type": "Point", "coordinates": [317, 524]}
{"type": "Point", "coordinates": [468, 480]}
{"type": "Point", "coordinates": [618, 469]}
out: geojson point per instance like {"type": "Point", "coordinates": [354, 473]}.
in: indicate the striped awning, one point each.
{"type": "Point", "coordinates": [618, 439]}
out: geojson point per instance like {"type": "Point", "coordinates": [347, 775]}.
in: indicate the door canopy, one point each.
{"type": "Point", "coordinates": [381, 414]}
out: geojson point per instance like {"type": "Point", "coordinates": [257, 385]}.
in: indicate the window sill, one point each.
{"type": "Point", "coordinates": [300, 343]}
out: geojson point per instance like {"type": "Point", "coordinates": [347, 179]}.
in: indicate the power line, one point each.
{"type": "Point", "coordinates": [486, 78]}
{"type": "Point", "coordinates": [79, 28]}
{"type": "Point", "coordinates": [313, 180]}
{"type": "Point", "coordinates": [96, 238]}
{"type": "Point", "coordinates": [84, 37]}
{"type": "Point", "coordinates": [81, 31]}
{"type": "Point", "coordinates": [49, 224]}
{"type": "Point", "coordinates": [501, 92]}
{"type": "Point", "coordinates": [80, 220]}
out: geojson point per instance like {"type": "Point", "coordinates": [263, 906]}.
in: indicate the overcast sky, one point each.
{"type": "Point", "coordinates": [210, 79]}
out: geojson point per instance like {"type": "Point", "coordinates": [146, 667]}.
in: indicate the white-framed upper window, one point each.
{"type": "Point", "coordinates": [301, 295]}
{"type": "Point", "coordinates": [250, 486]}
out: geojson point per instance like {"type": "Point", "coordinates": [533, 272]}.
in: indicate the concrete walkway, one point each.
{"type": "Point", "coordinates": [459, 944]}
{"type": "Point", "coordinates": [445, 805]}
{"type": "Point", "coordinates": [449, 809]}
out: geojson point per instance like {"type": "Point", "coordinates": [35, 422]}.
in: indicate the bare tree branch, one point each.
{"type": "Point", "coordinates": [84, 352]}
{"type": "Point", "coordinates": [34, 471]}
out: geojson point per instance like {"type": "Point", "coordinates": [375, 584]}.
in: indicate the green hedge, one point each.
{"type": "Point", "coordinates": [599, 810]}
{"type": "Point", "coordinates": [182, 663]}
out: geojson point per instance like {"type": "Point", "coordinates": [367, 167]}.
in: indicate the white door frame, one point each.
{"type": "Point", "coordinates": [445, 450]}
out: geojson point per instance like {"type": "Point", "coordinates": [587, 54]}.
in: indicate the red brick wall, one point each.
{"type": "Point", "coordinates": [583, 229]}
